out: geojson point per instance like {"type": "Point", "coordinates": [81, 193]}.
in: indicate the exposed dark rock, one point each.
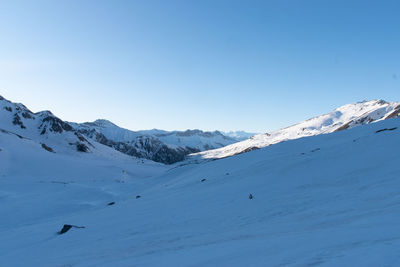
{"type": "Point", "coordinates": [367, 119]}
{"type": "Point", "coordinates": [167, 155]}
{"type": "Point", "coordinates": [82, 147]}
{"type": "Point", "coordinates": [386, 129]}
{"type": "Point", "coordinates": [17, 121]}
{"type": "Point", "coordinates": [83, 139]}
{"type": "Point", "coordinates": [54, 124]}
{"type": "Point", "coordinates": [7, 132]}
{"type": "Point", "coordinates": [395, 113]}
{"type": "Point", "coordinates": [67, 227]}
{"type": "Point", "coordinates": [80, 137]}
{"type": "Point", "coordinates": [143, 147]}
{"type": "Point", "coordinates": [48, 148]}
{"type": "Point", "coordinates": [250, 149]}
{"type": "Point", "coordinates": [344, 126]}
{"type": "Point", "coordinates": [21, 107]}
{"type": "Point", "coordinates": [27, 115]}
{"type": "Point", "coordinates": [8, 109]}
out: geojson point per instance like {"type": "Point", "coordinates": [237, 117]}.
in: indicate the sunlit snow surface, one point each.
{"type": "Point", "coordinates": [326, 200]}
{"type": "Point", "coordinates": [195, 139]}
{"type": "Point", "coordinates": [346, 116]}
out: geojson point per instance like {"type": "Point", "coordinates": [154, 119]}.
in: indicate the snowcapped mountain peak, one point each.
{"type": "Point", "coordinates": [103, 123]}
{"type": "Point", "coordinates": [239, 135]}
{"type": "Point", "coordinates": [42, 128]}
{"type": "Point", "coordinates": [158, 145]}
{"type": "Point", "coordinates": [44, 113]}
{"type": "Point", "coordinates": [344, 117]}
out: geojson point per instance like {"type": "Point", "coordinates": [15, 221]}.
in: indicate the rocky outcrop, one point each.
{"type": "Point", "coordinates": [157, 145]}
{"type": "Point", "coordinates": [81, 147]}
{"type": "Point", "coordinates": [45, 147]}
{"type": "Point", "coordinates": [43, 127]}
{"type": "Point", "coordinates": [142, 147]}
{"type": "Point", "coordinates": [395, 113]}
{"type": "Point", "coordinates": [54, 124]}
{"type": "Point", "coordinates": [17, 121]}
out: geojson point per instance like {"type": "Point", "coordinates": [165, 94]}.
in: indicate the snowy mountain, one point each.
{"type": "Point", "coordinates": [239, 135]}
{"type": "Point", "coordinates": [157, 145]}
{"type": "Point", "coordinates": [329, 200]}
{"type": "Point", "coordinates": [344, 117]}
{"type": "Point", "coordinates": [53, 134]}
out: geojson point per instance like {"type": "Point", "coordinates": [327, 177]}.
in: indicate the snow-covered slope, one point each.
{"type": "Point", "coordinates": [344, 117]}
{"type": "Point", "coordinates": [157, 145]}
{"type": "Point", "coordinates": [327, 200]}
{"type": "Point", "coordinates": [53, 134]}
{"type": "Point", "coordinates": [239, 135]}
{"type": "Point", "coordinates": [195, 139]}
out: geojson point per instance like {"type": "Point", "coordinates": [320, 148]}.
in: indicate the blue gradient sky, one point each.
{"type": "Point", "coordinates": [228, 65]}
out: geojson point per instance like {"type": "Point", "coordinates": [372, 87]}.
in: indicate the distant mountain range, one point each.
{"type": "Point", "coordinates": [157, 145]}
{"type": "Point", "coordinates": [169, 147]}
{"type": "Point", "coordinates": [161, 146]}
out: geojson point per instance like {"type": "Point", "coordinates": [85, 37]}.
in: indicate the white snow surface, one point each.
{"type": "Point", "coordinates": [31, 132]}
{"type": "Point", "coordinates": [346, 116]}
{"type": "Point", "coordinates": [196, 139]}
{"type": "Point", "coordinates": [163, 146]}
{"type": "Point", "coordinates": [326, 200]}
{"type": "Point", "coordinates": [239, 135]}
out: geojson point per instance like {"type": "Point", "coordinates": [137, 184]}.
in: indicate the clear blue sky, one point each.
{"type": "Point", "coordinates": [228, 65]}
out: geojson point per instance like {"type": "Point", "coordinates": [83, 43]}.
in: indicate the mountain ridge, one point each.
{"type": "Point", "coordinates": [169, 147]}
{"type": "Point", "coordinates": [341, 118]}
{"type": "Point", "coordinates": [157, 145]}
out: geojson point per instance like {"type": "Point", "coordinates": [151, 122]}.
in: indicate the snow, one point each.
{"type": "Point", "coordinates": [195, 139]}
{"type": "Point", "coordinates": [329, 200]}
{"type": "Point", "coordinates": [239, 135]}
{"type": "Point", "coordinates": [66, 137]}
{"type": "Point", "coordinates": [352, 115]}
